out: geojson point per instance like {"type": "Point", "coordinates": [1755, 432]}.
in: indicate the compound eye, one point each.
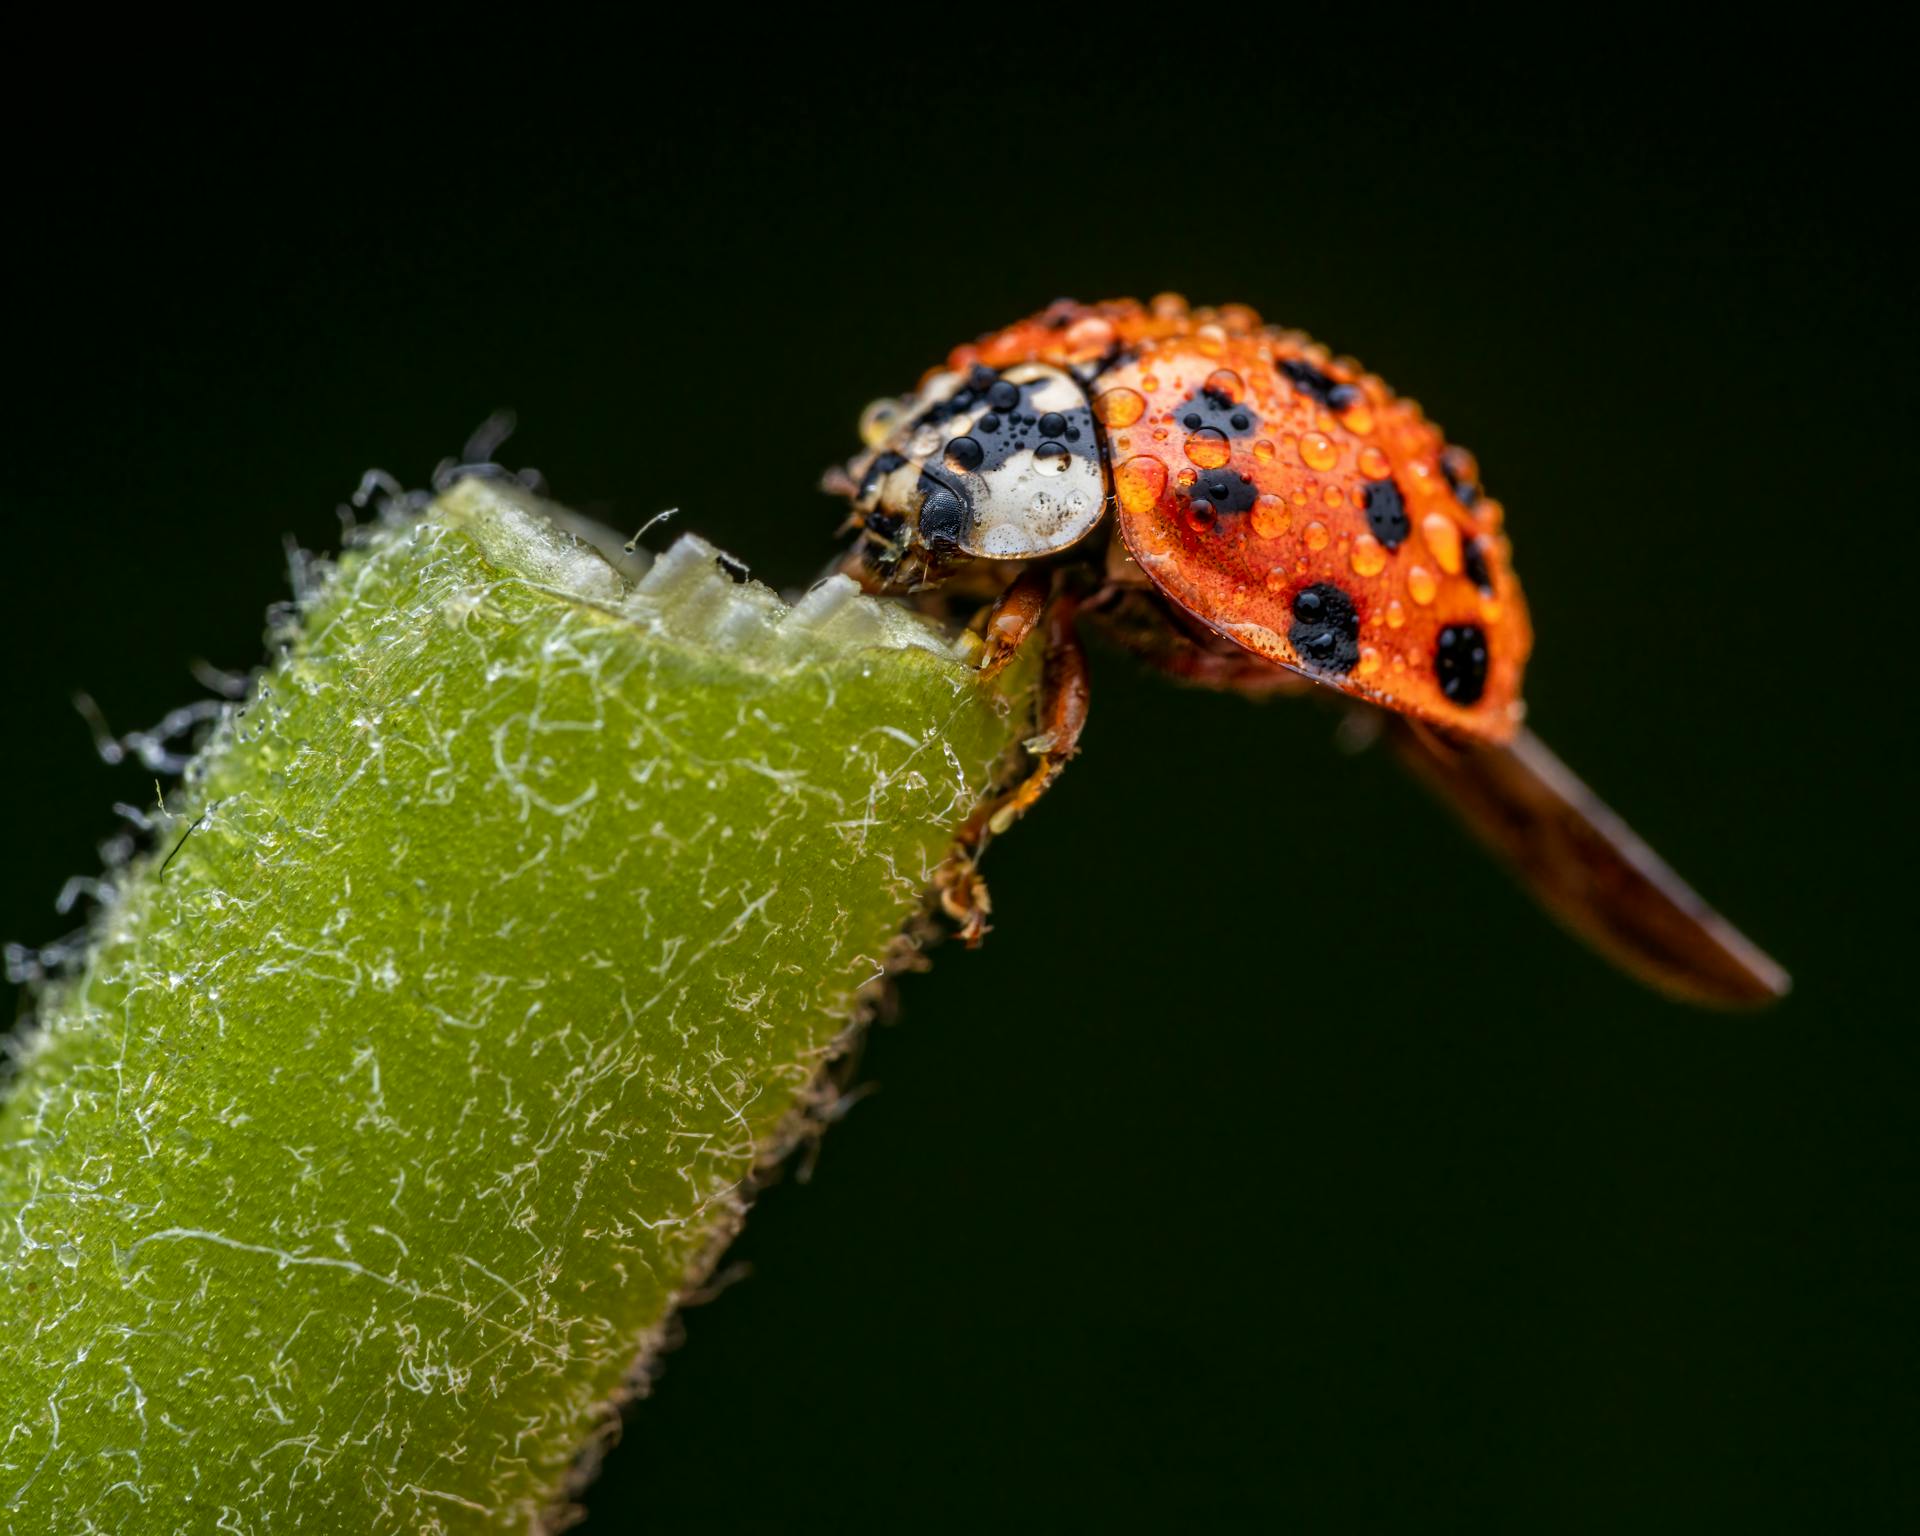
{"type": "Point", "coordinates": [880, 420]}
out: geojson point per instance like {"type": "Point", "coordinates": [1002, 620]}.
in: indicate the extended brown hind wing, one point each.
{"type": "Point", "coordinates": [1589, 869]}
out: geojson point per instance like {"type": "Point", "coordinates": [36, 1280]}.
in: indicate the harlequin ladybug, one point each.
{"type": "Point", "coordinates": [1250, 513]}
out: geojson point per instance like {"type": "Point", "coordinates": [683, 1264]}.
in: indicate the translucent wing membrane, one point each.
{"type": "Point", "coordinates": [1590, 870]}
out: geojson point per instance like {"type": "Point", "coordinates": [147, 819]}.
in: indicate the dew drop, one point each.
{"type": "Point", "coordinates": [1263, 451]}
{"type": "Point", "coordinates": [1271, 517]}
{"type": "Point", "coordinates": [1227, 384]}
{"type": "Point", "coordinates": [1139, 483]}
{"type": "Point", "coordinates": [1396, 615]}
{"type": "Point", "coordinates": [1317, 451]}
{"type": "Point", "coordinates": [1316, 535]}
{"type": "Point", "coordinates": [878, 421]}
{"type": "Point", "coordinates": [1120, 407]}
{"type": "Point", "coordinates": [1209, 448]}
{"type": "Point", "coordinates": [1373, 463]}
{"type": "Point", "coordinates": [1369, 556]}
{"type": "Point", "coordinates": [1357, 418]}
{"type": "Point", "coordinates": [1052, 458]}
{"type": "Point", "coordinates": [1421, 585]}
{"type": "Point", "coordinates": [1442, 534]}
{"type": "Point", "coordinates": [1369, 661]}
{"type": "Point", "coordinates": [1210, 339]}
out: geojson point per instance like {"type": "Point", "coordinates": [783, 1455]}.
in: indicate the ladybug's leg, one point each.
{"type": "Point", "coordinates": [1063, 709]}
{"type": "Point", "coordinates": [1062, 715]}
{"type": "Point", "coordinates": [1013, 617]}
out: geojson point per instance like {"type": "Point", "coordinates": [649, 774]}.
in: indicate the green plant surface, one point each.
{"type": "Point", "coordinates": [425, 1064]}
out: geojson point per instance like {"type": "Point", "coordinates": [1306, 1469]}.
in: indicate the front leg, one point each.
{"type": "Point", "coordinates": [1033, 601]}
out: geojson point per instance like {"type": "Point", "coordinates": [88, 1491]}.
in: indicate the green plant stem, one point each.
{"type": "Point", "coordinates": [427, 1061]}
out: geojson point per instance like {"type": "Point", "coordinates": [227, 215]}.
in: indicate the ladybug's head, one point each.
{"type": "Point", "coordinates": [1003, 465]}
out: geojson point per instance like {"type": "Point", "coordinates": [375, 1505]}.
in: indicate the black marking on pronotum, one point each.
{"type": "Point", "coordinates": [1225, 489]}
{"type": "Point", "coordinates": [1460, 662]}
{"type": "Point", "coordinates": [1454, 465]}
{"type": "Point", "coordinates": [1473, 559]}
{"type": "Point", "coordinates": [1007, 424]}
{"type": "Point", "coordinates": [1325, 633]}
{"type": "Point", "coordinates": [1217, 409]}
{"type": "Point", "coordinates": [1004, 434]}
{"type": "Point", "coordinates": [983, 387]}
{"type": "Point", "coordinates": [1386, 512]}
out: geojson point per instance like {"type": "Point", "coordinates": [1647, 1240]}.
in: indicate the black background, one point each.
{"type": "Point", "coordinates": [1274, 1160]}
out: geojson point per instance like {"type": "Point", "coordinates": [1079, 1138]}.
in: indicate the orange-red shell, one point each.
{"type": "Point", "coordinates": [1335, 532]}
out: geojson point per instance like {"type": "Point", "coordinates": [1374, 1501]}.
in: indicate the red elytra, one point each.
{"type": "Point", "coordinates": [1283, 519]}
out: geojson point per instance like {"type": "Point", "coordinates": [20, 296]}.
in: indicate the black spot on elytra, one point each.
{"type": "Point", "coordinates": [984, 387]}
{"type": "Point", "coordinates": [1386, 513]}
{"type": "Point", "coordinates": [1473, 558]}
{"type": "Point", "coordinates": [1225, 489]}
{"type": "Point", "coordinates": [1310, 380]}
{"type": "Point", "coordinates": [1213, 408]}
{"type": "Point", "coordinates": [1457, 467]}
{"type": "Point", "coordinates": [1326, 628]}
{"type": "Point", "coordinates": [1460, 662]}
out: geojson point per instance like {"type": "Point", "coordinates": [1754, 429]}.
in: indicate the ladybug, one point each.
{"type": "Point", "coordinates": [1247, 512]}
